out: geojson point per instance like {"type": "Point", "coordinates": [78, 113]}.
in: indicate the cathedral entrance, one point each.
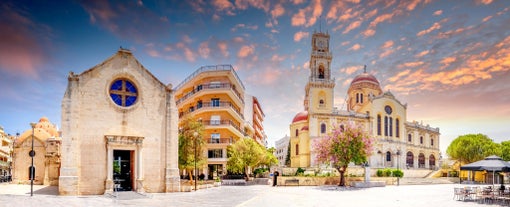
{"type": "Point", "coordinates": [123, 168]}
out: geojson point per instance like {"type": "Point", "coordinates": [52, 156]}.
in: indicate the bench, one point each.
{"type": "Point", "coordinates": [289, 181]}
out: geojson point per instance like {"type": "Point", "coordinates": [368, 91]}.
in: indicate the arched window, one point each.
{"type": "Point", "coordinates": [297, 132]}
{"type": "Point", "coordinates": [391, 126]}
{"type": "Point", "coordinates": [409, 138]}
{"type": "Point", "coordinates": [321, 102]}
{"type": "Point", "coordinates": [378, 124]}
{"type": "Point", "coordinates": [297, 149]}
{"type": "Point", "coordinates": [421, 139]}
{"type": "Point", "coordinates": [361, 97]}
{"type": "Point", "coordinates": [397, 127]}
{"type": "Point", "coordinates": [385, 125]}
{"type": "Point", "coordinates": [421, 160]}
{"type": "Point", "coordinates": [323, 128]}
{"type": "Point", "coordinates": [410, 159]}
{"type": "Point", "coordinates": [431, 141]}
{"type": "Point", "coordinates": [357, 97]}
{"type": "Point", "coordinates": [321, 72]}
{"type": "Point", "coordinates": [432, 161]}
{"type": "Point", "coordinates": [388, 156]}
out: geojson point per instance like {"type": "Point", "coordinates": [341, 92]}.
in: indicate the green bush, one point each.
{"type": "Point", "coordinates": [300, 171]}
{"type": "Point", "coordinates": [398, 173]}
{"type": "Point", "coordinates": [387, 172]}
{"type": "Point", "coordinates": [379, 173]}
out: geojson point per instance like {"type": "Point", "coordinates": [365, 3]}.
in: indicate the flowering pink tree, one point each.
{"type": "Point", "coordinates": [347, 143]}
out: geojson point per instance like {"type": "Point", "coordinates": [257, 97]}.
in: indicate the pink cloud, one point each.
{"type": "Point", "coordinates": [352, 69]}
{"type": "Point", "coordinates": [314, 10]}
{"type": "Point", "coordinates": [277, 11]}
{"type": "Point", "coordinates": [435, 26]}
{"type": "Point", "coordinates": [300, 35]}
{"type": "Point", "coordinates": [438, 12]}
{"type": "Point", "coordinates": [222, 4]}
{"type": "Point", "coordinates": [387, 44]}
{"type": "Point", "coordinates": [422, 53]}
{"type": "Point", "coordinates": [352, 26]}
{"type": "Point", "coordinates": [245, 51]}
{"type": "Point", "coordinates": [204, 50]}
{"type": "Point", "coordinates": [484, 2]}
{"type": "Point", "coordinates": [355, 47]}
{"type": "Point", "coordinates": [21, 50]}
{"type": "Point", "coordinates": [223, 48]}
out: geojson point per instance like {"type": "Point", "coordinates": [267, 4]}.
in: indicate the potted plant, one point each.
{"type": "Point", "coordinates": [217, 182]}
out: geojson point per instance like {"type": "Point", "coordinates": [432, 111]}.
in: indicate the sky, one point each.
{"type": "Point", "coordinates": [449, 60]}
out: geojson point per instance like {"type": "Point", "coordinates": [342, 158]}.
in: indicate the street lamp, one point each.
{"type": "Point", "coordinates": [195, 135]}
{"type": "Point", "coordinates": [32, 169]}
{"type": "Point", "coordinates": [398, 167]}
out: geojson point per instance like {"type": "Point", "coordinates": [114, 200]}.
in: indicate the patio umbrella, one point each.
{"type": "Point", "coordinates": [491, 163]}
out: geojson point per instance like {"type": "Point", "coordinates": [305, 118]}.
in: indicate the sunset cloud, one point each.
{"type": "Point", "coordinates": [300, 35]}
{"type": "Point", "coordinates": [307, 16]}
{"type": "Point", "coordinates": [21, 49]}
{"type": "Point", "coordinates": [355, 47]}
{"type": "Point", "coordinates": [435, 26]}
{"type": "Point", "coordinates": [245, 51]}
{"type": "Point", "coordinates": [352, 26]}
{"type": "Point", "coordinates": [277, 11]}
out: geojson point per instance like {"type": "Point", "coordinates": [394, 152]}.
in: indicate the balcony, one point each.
{"type": "Point", "coordinates": [210, 68]}
{"type": "Point", "coordinates": [214, 106]}
{"type": "Point", "coordinates": [211, 87]}
{"type": "Point", "coordinates": [220, 141]}
{"type": "Point", "coordinates": [224, 123]}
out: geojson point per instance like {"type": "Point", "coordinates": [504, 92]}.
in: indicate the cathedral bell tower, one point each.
{"type": "Point", "coordinates": [320, 86]}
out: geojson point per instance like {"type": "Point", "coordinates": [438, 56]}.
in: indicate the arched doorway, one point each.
{"type": "Point", "coordinates": [321, 72]}
{"type": "Point", "coordinates": [410, 160]}
{"type": "Point", "coordinates": [421, 160]}
{"type": "Point", "coordinates": [432, 162]}
{"type": "Point", "coordinates": [388, 159]}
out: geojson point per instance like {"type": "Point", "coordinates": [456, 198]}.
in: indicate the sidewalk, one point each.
{"type": "Point", "coordinates": [247, 196]}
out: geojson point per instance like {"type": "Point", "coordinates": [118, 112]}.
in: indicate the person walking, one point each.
{"type": "Point", "coordinates": [275, 178]}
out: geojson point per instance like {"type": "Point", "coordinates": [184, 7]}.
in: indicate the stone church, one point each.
{"type": "Point", "coordinates": [119, 130]}
{"type": "Point", "coordinates": [399, 143]}
{"type": "Point", "coordinates": [46, 141]}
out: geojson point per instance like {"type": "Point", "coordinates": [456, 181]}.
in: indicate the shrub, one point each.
{"type": "Point", "coordinates": [379, 173]}
{"type": "Point", "coordinates": [387, 172]}
{"type": "Point", "coordinates": [300, 171]}
{"type": "Point", "coordinates": [398, 173]}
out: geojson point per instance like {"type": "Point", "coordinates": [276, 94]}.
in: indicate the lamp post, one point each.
{"type": "Point", "coordinates": [398, 167]}
{"type": "Point", "coordinates": [195, 135]}
{"type": "Point", "coordinates": [32, 169]}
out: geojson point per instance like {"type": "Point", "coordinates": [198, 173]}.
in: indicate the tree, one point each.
{"type": "Point", "coordinates": [505, 150]}
{"type": "Point", "coordinates": [246, 153]}
{"type": "Point", "coordinates": [472, 147]}
{"type": "Point", "coordinates": [190, 136]}
{"type": "Point", "coordinates": [347, 143]}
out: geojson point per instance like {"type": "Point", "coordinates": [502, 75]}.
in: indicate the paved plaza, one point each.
{"type": "Point", "coordinates": [246, 196]}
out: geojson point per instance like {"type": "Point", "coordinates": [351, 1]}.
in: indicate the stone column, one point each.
{"type": "Point", "coordinates": [109, 168]}
{"type": "Point", "coordinates": [139, 167]}
{"type": "Point", "coordinates": [172, 180]}
{"type": "Point", "coordinates": [70, 159]}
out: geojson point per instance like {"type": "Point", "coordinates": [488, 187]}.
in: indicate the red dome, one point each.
{"type": "Point", "coordinates": [300, 116]}
{"type": "Point", "coordinates": [365, 77]}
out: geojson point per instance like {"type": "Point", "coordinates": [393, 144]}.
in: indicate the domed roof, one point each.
{"type": "Point", "coordinates": [365, 77]}
{"type": "Point", "coordinates": [300, 116]}
{"type": "Point", "coordinates": [46, 125]}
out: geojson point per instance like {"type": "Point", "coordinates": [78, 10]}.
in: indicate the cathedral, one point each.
{"type": "Point", "coordinates": [119, 130]}
{"type": "Point", "coordinates": [399, 143]}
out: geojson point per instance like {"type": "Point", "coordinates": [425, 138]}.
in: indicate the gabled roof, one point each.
{"type": "Point", "coordinates": [125, 53]}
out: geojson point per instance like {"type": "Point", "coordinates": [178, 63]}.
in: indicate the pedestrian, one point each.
{"type": "Point", "coordinates": [275, 177]}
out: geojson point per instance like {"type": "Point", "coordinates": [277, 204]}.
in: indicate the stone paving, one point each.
{"type": "Point", "coordinates": [247, 196]}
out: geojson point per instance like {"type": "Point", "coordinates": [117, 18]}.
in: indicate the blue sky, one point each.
{"type": "Point", "coordinates": [448, 60]}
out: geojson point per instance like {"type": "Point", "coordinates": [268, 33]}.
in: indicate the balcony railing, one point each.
{"type": "Point", "coordinates": [223, 123]}
{"type": "Point", "coordinates": [210, 68]}
{"type": "Point", "coordinates": [321, 54]}
{"type": "Point", "coordinates": [211, 86]}
{"type": "Point", "coordinates": [220, 141]}
{"type": "Point", "coordinates": [212, 105]}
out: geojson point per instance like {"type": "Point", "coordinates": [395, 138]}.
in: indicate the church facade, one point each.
{"type": "Point", "coordinates": [399, 143]}
{"type": "Point", "coordinates": [119, 130]}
